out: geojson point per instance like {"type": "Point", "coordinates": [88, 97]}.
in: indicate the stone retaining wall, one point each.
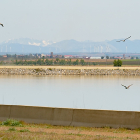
{"type": "Point", "coordinates": [53, 71]}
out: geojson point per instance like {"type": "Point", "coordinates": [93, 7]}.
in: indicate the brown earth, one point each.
{"type": "Point", "coordinates": [59, 132]}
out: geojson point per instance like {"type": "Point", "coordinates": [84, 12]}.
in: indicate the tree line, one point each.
{"type": "Point", "coordinates": [57, 61]}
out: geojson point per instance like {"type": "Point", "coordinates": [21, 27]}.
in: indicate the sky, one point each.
{"type": "Point", "coordinates": [57, 20]}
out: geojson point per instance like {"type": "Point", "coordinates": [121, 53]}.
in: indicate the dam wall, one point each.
{"type": "Point", "coordinates": [71, 116]}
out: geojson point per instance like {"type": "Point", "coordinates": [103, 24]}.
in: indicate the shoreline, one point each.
{"type": "Point", "coordinates": [68, 70]}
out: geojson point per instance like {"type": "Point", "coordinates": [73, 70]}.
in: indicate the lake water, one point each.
{"type": "Point", "coordinates": [88, 92]}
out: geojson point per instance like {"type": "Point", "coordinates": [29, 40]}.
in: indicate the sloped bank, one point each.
{"type": "Point", "coordinates": [59, 71]}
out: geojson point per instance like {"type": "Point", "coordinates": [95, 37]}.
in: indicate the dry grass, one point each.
{"type": "Point", "coordinates": [44, 131]}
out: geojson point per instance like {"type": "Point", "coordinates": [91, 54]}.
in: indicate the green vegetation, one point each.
{"type": "Point", "coordinates": [39, 70]}
{"type": "Point", "coordinates": [10, 122]}
{"type": "Point", "coordinates": [50, 69]}
{"type": "Point", "coordinates": [12, 129]}
{"type": "Point", "coordinates": [24, 130]}
{"type": "Point", "coordinates": [56, 62]}
{"type": "Point", "coordinates": [130, 60]}
{"type": "Point", "coordinates": [117, 63]}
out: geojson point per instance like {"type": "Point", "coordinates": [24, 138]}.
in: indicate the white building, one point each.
{"type": "Point", "coordinates": [43, 55]}
{"type": "Point", "coordinates": [95, 57]}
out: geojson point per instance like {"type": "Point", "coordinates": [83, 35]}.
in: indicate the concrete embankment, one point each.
{"type": "Point", "coordinates": [71, 117]}
{"type": "Point", "coordinates": [68, 70]}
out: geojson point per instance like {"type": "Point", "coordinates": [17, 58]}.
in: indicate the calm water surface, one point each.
{"type": "Point", "coordinates": [88, 92]}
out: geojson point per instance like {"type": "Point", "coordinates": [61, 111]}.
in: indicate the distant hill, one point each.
{"type": "Point", "coordinates": [132, 46]}
{"type": "Point", "coordinates": [26, 45]}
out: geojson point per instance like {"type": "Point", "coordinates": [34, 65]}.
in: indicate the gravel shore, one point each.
{"type": "Point", "coordinates": [68, 70]}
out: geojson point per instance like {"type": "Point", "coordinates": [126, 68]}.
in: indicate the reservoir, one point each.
{"type": "Point", "coordinates": [86, 92]}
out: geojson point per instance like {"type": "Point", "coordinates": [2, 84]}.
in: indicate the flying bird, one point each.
{"type": "Point", "coordinates": [1, 24]}
{"type": "Point", "coordinates": [126, 86]}
{"type": "Point", "coordinates": [124, 39]}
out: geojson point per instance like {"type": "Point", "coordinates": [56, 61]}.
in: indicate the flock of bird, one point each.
{"type": "Point", "coordinates": [126, 87]}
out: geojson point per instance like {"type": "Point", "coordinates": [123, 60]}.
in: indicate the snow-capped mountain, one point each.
{"type": "Point", "coordinates": [28, 41]}
{"type": "Point", "coordinates": [26, 45]}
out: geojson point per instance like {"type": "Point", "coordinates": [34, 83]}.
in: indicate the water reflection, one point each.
{"type": "Point", "coordinates": [89, 92]}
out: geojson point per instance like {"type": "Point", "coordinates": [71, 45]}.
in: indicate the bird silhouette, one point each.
{"type": "Point", "coordinates": [123, 40]}
{"type": "Point", "coordinates": [1, 24]}
{"type": "Point", "coordinates": [127, 87]}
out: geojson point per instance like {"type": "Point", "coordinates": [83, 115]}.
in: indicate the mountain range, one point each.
{"type": "Point", "coordinates": [27, 45]}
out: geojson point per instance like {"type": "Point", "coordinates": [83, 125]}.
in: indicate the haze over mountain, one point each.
{"type": "Point", "coordinates": [26, 45]}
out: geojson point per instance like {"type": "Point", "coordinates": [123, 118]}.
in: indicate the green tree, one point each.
{"type": "Point", "coordinates": [43, 58]}
{"type": "Point", "coordinates": [16, 62]}
{"type": "Point", "coordinates": [102, 57]}
{"type": "Point", "coordinates": [107, 57]}
{"type": "Point", "coordinates": [34, 62]}
{"type": "Point", "coordinates": [82, 62]}
{"type": "Point", "coordinates": [48, 62]}
{"type": "Point", "coordinates": [39, 61]}
{"type": "Point", "coordinates": [62, 62]}
{"type": "Point", "coordinates": [25, 62]}
{"type": "Point", "coordinates": [69, 62]}
{"type": "Point", "coordinates": [57, 59]}
{"type": "Point", "coordinates": [117, 63]}
{"type": "Point", "coordinates": [76, 62]}
{"type": "Point", "coordinates": [93, 63]}
{"type": "Point", "coordinates": [1, 62]}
